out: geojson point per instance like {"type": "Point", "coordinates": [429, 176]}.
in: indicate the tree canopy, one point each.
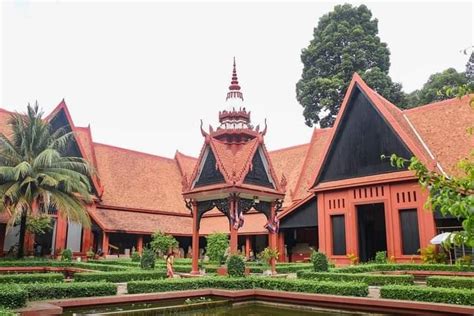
{"type": "Point", "coordinates": [36, 174]}
{"type": "Point", "coordinates": [345, 41]}
{"type": "Point", "coordinates": [430, 92]}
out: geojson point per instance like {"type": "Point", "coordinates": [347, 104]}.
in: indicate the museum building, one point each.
{"type": "Point", "coordinates": [333, 192]}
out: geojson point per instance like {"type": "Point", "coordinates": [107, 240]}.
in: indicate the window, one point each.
{"type": "Point", "coordinates": [409, 231]}
{"type": "Point", "coordinates": [338, 235]}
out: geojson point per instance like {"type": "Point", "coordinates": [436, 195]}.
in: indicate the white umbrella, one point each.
{"type": "Point", "coordinates": [439, 239]}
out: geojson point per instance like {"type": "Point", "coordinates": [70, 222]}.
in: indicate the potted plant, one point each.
{"type": "Point", "coordinates": [267, 255]}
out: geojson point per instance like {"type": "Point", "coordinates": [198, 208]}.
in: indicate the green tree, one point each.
{"type": "Point", "coordinates": [345, 41]}
{"type": "Point", "coordinates": [470, 68]}
{"type": "Point", "coordinates": [437, 82]}
{"type": "Point", "coordinates": [162, 243]}
{"type": "Point", "coordinates": [217, 245]}
{"type": "Point", "coordinates": [36, 174]}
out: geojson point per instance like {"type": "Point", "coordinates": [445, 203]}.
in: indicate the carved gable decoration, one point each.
{"type": "Point", "coordinates": [258, 174]}
{"type": "Point", "coordinates": [209, 174]}
{"type": "Point", "coordinates": [362, 136]}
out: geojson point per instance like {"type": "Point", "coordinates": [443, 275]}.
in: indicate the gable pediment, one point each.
{"type": "Point", "coordinates": [361, 137]}
{"type": "Point", "coordinates": [259, 173]}
{"type": "Point", "coordinates": [209, 173]}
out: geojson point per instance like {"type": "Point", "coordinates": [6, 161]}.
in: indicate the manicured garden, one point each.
{"type": "Point", "coordinates": [99, 278]}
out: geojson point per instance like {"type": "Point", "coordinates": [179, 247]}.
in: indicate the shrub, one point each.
{"type": "Point", "coordinates": [6, 312]}
{"type": "Point", "coordinates": [217, 245]}
{"type": "Point", "coordinates": [403, 267]}
{"type": "Point", "coordinates": [148, 259]}
{"type": "Point", "coordinates": [235, 266]}
{"type": "Point", "coordinates": [31, 278]}
{"type": "Point", "coordinates": [12, 296]}
{"type": "Point", "coordinates": [430, 254]}
{"type": "Point", "coordinates": [66, 255]}
{"type": "Point", "coordinates": [136, 256]}
{"type": "Point", "coordinates": [43, 291]}
{"type": "Point", "coordinates": [448, 281]}
{"type": "Point", "coordinates": [428, 294]}
{"type": "Point", "coordinates": [348, 289]}
{"type": "Point", "coordinates": [370, 279]}
{"type": "Point", "coordinates": [162, 243]}
{"type": "Point", "coordinates": [320, 261]}
{"type": "Point", "coordinates": [119, 276]}
{"type": "Point", "coordinates": [381, 257]}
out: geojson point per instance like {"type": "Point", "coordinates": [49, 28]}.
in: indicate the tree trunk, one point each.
{"type": "Point", "coordinates": [21, 242]}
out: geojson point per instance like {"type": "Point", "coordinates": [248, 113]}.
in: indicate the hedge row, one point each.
{"type": "Point", "coordinates": [12, 296]}
{"type": "Point", "coordinates": [125, 263]}
{"type": "Point", "coordinates": [31, 278]}
{"type": "Point", "coordinates": [455, 282]}
{"type": "Point", "coordinates": [43, 291]}
{"type": "Point", "coordinates": [403, 267]}
{"type": "Point", "coordinates": [56, 263]}
{"type": "Point", "coordinates": [347, 289]}
{"type": "Point", "coordinates": [370, 279]}
{"type": "Point", "coordinates": [428, 294]}
{"type": "Point", "coordinates": [119, 276]}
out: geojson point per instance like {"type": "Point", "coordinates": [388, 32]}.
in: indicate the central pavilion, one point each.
{"type": "Point", "coordinates": [234, 174]}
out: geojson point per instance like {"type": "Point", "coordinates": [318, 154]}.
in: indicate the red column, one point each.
{"type": "Point", "coordinates": [247, 246]}
{"type": "Point", "coordinates": [281, 247]}
{"type": "Point", "coordinates": [61, 235]}
{"type": "Point", "coordinates": [139, 247]}
{"type": "Point", "coordinates": [195, 242]}
{"type": "Point", "coordinates": [105, 243]}
{"type": "Point", "coordinates": [86, 240]}
{"type": "Point", "coordinates": [272, 240]}
{"type": "Point", "coordinates": [233, 231]}
{"type": "Point", "coordinates": [3, 231]}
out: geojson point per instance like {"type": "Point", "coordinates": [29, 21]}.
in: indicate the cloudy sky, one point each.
{"type": "Point", "coordinates": [144, 74]}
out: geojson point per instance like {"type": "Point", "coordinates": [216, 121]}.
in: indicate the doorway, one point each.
{"type": "Point", "coordinates": [372, 232]}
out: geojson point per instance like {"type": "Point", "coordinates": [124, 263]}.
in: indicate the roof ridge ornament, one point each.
{"type": "Point", "coordinates": [234, 88]}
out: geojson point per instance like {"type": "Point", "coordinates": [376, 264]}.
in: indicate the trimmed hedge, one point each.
{"type": "Point", "coordinates": [347, 289]}
{"type": "Point", "coordinates": [402, 267]}
{"type": "Point", "coordinates": [448, 281]}
{"type": "Point", "coordinates": [428, 294]}
{"type": "Point", "coordinates": [370, 279]}
{"type": "Point", "coordinates": [55, 263]}
{"type": "Point", "coordinates": [43, 291]}
{"type": "Point", "coordinates": [12, 296]}
{"type": "Point", "coordinates": [119, 276]}
{"type": "Point", "coordinates": [31, 278]}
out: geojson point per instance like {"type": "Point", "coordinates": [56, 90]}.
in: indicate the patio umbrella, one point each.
{"type": "Point", "coordinates": [439, 239]}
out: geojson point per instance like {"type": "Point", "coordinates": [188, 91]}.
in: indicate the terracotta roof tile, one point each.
{"type": "Point", "coordinates": [312, 161]}
{"type": "Point", "coordinates": [253, 223]}
{"type": "Point", "coordinates": [137, 222]}
{"type": "Point", "coordinates": [4, 117]}
{"type": "Point", "coordinates": [139, 181]}
{"type": "Point", "coordinates": [234, 159]}
{"type": "Point", "coordinates": [186, 163]}
{"type": "Point", "coordinates": [443, 127]}
{"type": "Point", "coordinates": [288, 162]}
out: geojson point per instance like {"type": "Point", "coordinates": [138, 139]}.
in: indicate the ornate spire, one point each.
{"type": "Point", "coordinates": [234, 88]}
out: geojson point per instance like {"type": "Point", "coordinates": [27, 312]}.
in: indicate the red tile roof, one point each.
{"type": "Point", "coordinates": [288, 162]}
{"type": "Point", "coordinates": [142, 223]}
{"type": "Point", "coordinates": [254, 224]}
{"type": "Point", "coordinates": [443, 127]}
{"type": "Point", "coordinates": [137, 180]}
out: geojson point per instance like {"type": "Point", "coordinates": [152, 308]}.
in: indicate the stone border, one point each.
{"type": "Point", "coordinates": [319, 300]}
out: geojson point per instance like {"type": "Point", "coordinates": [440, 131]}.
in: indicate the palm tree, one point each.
{"type": "Point", "coordinates": [36, 174]}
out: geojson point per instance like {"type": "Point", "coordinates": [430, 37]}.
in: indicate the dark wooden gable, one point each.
{"type": "Point", "coordinates": [60, 121]}
{"type": "Point", "coordinates": [304, 216]}
{"type": "Point", "coordinates": [362, 136]}
{"type": "Point", "coordinates": [209, 173]}
{"type": "Point", "coordinates": [258, 174]}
